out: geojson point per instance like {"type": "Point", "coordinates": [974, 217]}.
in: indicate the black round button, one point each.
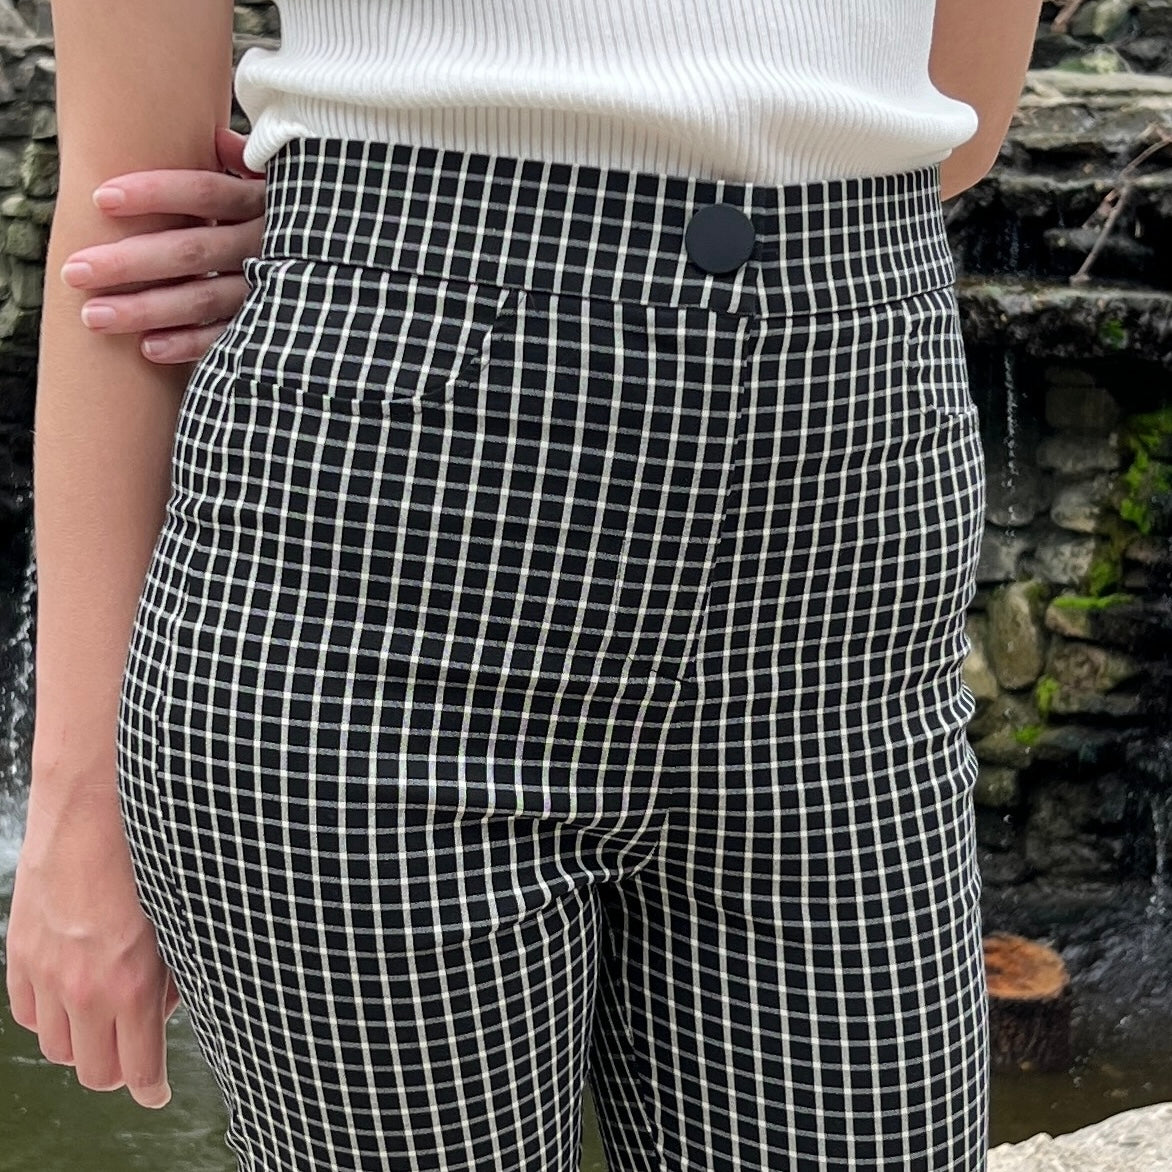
{"type": "Point", "coordinates": [719, 238]}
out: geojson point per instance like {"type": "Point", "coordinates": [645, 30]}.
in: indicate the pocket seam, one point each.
{"type": "Point", "coordinates": [444, 389]}
{"type": "Point", "coordinates": [377, 399]}
{"type": "Point", "coordinates": [935, 409]}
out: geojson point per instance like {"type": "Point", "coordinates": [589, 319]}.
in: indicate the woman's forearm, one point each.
{"type": "Point", "coordinates": [104, 423]}
{"type": "Point", "coordinates": [105, 415]}
{"type": "Point", "coordinates": [980, 53]}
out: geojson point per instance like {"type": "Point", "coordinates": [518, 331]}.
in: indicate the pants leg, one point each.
{"type": "Point", "coordinates": [796, 978]}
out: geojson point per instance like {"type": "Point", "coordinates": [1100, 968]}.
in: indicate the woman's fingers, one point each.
{"type": "Point", "coordinates": [230, 152]}
{"type": "Point", "coordinates": [163, 307]}
{"type": "Point", "coordinates": [181, 345]}
{"type": "Point", "coordinates": [53, 1031]}
{"type": "Point", "coordinates": [95, 1054]}
{"type": "Point", "coordinates": [207, 195]}
{"type": "Point", "coordinates": [172, 998]}
{"type": "Point", "coordinates": [22, 998]}
{"type": "Point", "coordinates": [164, 255]}
{"type": "Point", "coordinates": [141, 1031]}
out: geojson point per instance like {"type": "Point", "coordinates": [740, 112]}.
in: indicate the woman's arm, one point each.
{"type": "Point", "coordinates": [980, 53]}
{"type": "Point", "coordinates": [141, 84]}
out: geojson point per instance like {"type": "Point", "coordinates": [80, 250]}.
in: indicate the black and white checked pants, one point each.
{"type": "Point", "coordinates": [549, 669]}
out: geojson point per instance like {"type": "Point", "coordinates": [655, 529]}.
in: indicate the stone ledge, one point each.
{"type": "Point", "coordinates": [1134, 1141]}
{"type": "Point", "coordinates": [1064, 321]}
{"type": "Point", "coordinates": [1043, 86]}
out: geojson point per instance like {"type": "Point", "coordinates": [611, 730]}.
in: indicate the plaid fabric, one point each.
{"type": "Point", "coordinates": [550, 668]}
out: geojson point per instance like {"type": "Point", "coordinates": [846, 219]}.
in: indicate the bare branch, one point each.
{"type": "Point", "coordinates": [1061, 22]}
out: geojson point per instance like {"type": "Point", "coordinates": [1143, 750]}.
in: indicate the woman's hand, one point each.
{"type": "Point", "coordinates": [84, 971]}
{"type": "Point", "coordinates": [182, 310]}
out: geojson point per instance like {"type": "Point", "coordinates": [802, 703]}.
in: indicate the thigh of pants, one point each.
{"type": "Point", "coordinates": [553, 677]}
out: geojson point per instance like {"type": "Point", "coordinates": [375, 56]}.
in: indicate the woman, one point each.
{"type": "Point", "coordinates": [544, 599]}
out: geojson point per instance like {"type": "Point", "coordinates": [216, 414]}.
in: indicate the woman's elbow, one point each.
{"type": "Point", "coordinates": [967, 166]}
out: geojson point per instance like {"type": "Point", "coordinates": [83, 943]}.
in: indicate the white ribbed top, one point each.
{"type": "Point", "coordinates": [770, 91]}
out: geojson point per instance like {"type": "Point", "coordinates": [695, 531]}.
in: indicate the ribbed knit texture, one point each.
{"type": "Point", "coordinates": [770, 91]}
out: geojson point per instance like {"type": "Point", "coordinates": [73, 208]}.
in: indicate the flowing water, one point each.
{"type": "Point", "coordinates": [50, 1123]}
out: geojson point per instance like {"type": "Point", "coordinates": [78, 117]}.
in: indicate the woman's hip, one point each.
{"type": "Point", "coordinates": [539, 417]}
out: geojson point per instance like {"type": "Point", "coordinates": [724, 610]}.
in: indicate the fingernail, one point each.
{"type": "Point", "coordinates": [109, 197]}
{"type": "Point", "coordinates": [97, 316]}
{"type": "Point", "coordinates": [76, 272]}
{"type": "Point", "coordinates": [154, 347]}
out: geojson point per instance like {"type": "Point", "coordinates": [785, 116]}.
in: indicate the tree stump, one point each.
{"type": "Point", "coordinates": [1030, 1004]}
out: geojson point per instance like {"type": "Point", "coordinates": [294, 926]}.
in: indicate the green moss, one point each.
{"type": "Point", "coordinates": [1145, 479]}
{"type": "Point", "coordinates": [1113, 334]}
{"type": "Point", "coordinates": [1044, 692]}
{"type": "Point", "coordinates": [1146, 431]}
{"type": "Point", "coordinates": [1106, 569]}
{"type": "Point", "coordinates": [1028, 733]}
{"type": "Point", "coordinates": [1091, 601]}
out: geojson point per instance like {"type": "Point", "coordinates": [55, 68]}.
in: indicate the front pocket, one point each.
{"type": "Point", "coordinates": [363, 340]}
{"type": "Point", "coordinates": [934, 357]}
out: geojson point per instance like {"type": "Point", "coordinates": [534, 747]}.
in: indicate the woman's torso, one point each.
{"type": "Point", "coordinates": [768, 91]}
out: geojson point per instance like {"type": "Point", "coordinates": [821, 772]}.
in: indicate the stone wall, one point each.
{"type": "Point", "coordinates": [1065, 254]}
{"type": "Point", "coordinates": [1070, 362]}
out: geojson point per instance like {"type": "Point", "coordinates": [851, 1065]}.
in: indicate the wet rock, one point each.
{"type": "Point", "coordinates": [1005, 711]}
{"type": "Point", "coordinates": [9, 168]}
{"type": "Point", "coordinates": [1052, 48]}
{"type": "Point", "coordinates": [1002, 747]}
{"type": "Point", "coordinates": [1056, 839]}
{"type": "Point", "coordinates": [1080, 506]}
{"type": "Point", "coordinates": [1074, 454]}
{"type": "Point", "coordinates": [1080, 406]}
{"type": "Point", "coordinates": [1017, 638]}
{"type": "Point", "coordinates": [1002, 868]}
{"type": "Point", "coordinates": [1100, 59]}
{"type": "Point", "coordinates": [27, 283]}
{"type": "Point", "coordinates": [1134, 1141]}
{"type": "Point", "coordinates": [1087, 667]}
{"type": "Point", "coordinates": [1050, 83]}
{"type": "Point", "coordinates": [1057, 321]}
{"type": "Point", "coordinates": [1076, 622]}
{"type": "Point", "coordinates": [1013, 497]}
{"type": "Point", "coordinates": [1062, 559]}
{"type": "Point", "coordinates": [977, 672]}
{"type": "Point", "coordinates": [1102, 19]}
{"type": "Point", "coordinates": [1149, 550]}
{"type": "Point", "coordinates": [1000, 551]}
{"type": "Point", "coordinates": [38, 170]}
{"type": "Point", "coordinates": [1136, 578]}
{"type": "Point", "coordinates": [1149, 54]}
{"type": "Point", "coordinates": [1118, 706]}
{"type": "Point", "coordinates": [43, 123]}
{"type": "Point", "coordinates": [1153, 18]}
{"type": "Point", "coordinates": [11, 25]}
{"type": "Point", "coordinates": [1072, 742]}
{"type": "Point", "coordinates": [997, 787]}
{"type": "Point", "coordinates": [25, 240]}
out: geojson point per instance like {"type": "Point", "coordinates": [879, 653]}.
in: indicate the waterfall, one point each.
{"type": "Point", "coordinates": [16, 712]}
{"type": "Point", "coordinates": [1161, 810]}
{"type": "Point", "coordinates": [1011, 418]}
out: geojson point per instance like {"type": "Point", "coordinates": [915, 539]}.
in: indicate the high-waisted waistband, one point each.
{"type": "Point", "coordinates": [582, 230]}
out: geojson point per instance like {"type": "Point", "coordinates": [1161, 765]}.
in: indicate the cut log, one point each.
{"type": "Point", "coordinates": [1030, 1003]}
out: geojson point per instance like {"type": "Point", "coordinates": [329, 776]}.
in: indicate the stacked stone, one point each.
{"type": "Point", "coordinates": [1103, 36]}
{"type": "Point", "coordinates": [1054, 667]}
{"type": "Point", "coordinates": [28, 185]}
